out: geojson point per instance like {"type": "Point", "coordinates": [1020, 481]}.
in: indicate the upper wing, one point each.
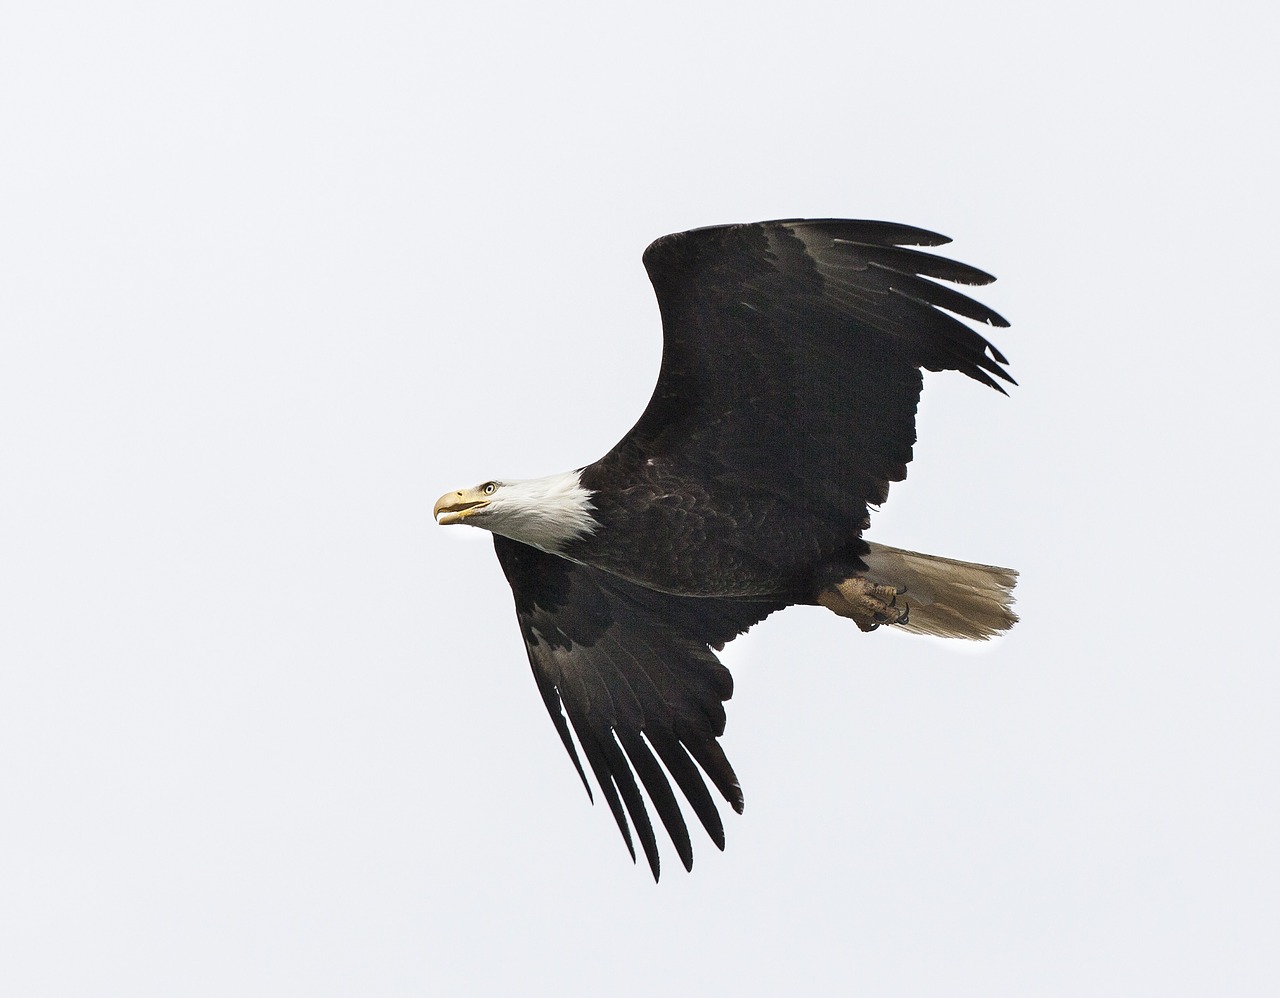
{"type": "Point", "coordinates": [634, 672]}
{"type": "Point", "coordinates": [791, 365]}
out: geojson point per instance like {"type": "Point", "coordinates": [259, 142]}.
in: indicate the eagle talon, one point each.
{"type": "Point", "coordinates": [865, 603]}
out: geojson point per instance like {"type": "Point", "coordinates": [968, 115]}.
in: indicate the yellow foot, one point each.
{"type": "Point", "coordinates": [865, 603]}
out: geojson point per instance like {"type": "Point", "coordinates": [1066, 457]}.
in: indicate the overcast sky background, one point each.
{"type": "Point", "coordinates": [277, 275]}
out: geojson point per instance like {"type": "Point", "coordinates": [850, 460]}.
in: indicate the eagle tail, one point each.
{"type": "Point", "coordinates": [947, 598]}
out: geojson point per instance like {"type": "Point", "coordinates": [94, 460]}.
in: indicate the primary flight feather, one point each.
{"type": "Point", "coordinates": [785, 405]}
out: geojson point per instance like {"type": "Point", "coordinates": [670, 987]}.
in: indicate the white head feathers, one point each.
{"type": "Point", "coordinates": [545, 513]}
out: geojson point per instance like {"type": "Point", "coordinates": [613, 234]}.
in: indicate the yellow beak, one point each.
{"type": "Point", "coordinates": [454, 507]}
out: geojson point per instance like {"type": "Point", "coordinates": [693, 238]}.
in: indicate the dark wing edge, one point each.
{"type": "Point", "coordinates": [632, 672]}
{"type": "Point", "coordinates": [867, 275]}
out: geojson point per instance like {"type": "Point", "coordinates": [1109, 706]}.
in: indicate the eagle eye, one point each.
{"type": "Point", "coordinates": [489, 488]}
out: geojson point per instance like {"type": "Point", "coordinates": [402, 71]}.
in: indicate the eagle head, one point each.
{"type": "Point", "coordinates": [546, 513]}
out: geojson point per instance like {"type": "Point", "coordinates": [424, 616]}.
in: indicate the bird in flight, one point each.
{"type": "Point", "coordinates": [785, 405]}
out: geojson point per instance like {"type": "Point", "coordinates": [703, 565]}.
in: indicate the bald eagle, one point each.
{"type": "Point", "coordinates": [785, 405]}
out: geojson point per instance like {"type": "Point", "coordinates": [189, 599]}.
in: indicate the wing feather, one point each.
{"type": "Point", "coordinates": [633, 673]}
{"type": "Point", "coordinates": [786, 400]}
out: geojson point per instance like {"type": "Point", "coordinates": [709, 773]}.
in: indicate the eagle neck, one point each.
{"type": "Point", "coordinates": [547, 513]}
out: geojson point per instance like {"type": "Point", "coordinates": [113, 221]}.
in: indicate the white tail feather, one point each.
{"type": "Point", "coordinates": [948, 598]}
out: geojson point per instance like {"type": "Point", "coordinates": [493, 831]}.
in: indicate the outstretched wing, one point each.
{"type": "Point", "coordinates": [634, 672]}
{"type": "Point", "coordinates": [791, 373]}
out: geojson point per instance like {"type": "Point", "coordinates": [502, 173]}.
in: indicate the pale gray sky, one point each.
{"type": "Point", "coordinates": [277, 275]}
